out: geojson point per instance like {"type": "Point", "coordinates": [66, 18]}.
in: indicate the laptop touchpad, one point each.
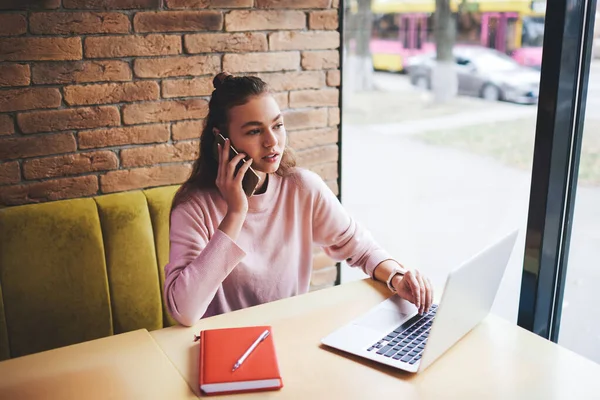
{"type": "Point", "coordinates": [382, 319]}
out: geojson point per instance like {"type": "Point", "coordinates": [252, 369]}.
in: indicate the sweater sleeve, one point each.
{"type": "Point", "coordinates": [198, 264]}
{"type": "Point", "coordinates": [341, 237]}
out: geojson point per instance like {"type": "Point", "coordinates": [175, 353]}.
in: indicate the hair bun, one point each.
{"type": "Point", "coordinates": [220, 78]}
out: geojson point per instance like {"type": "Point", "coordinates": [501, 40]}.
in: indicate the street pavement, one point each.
{"type": "Point", "coordinates": [434, 207]}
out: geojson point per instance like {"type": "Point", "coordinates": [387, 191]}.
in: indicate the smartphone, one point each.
{"type": "Point", "coordinates": [251, 179]}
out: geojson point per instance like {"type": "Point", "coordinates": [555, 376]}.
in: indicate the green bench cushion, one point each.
{"type": "Point", "coordinates": [53, 275]}
{"type": "Point", "coordinates": [159, 204]}
{"type": "Point", "coordinates": [4, 350]}
{"type": "Point", "coordinates": [135, 294]}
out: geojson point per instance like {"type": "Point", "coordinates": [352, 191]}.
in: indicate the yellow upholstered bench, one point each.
{"type": "Point", "coordinates": [81, 269]}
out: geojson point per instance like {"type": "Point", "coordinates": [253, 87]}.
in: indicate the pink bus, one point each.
{"type": "Point", "coordinates": [398, 36]}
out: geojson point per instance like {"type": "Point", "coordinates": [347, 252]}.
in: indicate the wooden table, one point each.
{"type": "Point", "coordinates": [126, 366]}
{"type": "Point", "coordinates": [497, 360]}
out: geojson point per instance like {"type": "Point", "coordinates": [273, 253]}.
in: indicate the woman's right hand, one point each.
{"type": "Point", "coordinates": [229, 183]}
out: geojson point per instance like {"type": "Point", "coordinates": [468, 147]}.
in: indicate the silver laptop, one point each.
{"type": "Point", "coordinates": [393, 333]}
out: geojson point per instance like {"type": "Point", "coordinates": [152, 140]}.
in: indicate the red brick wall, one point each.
{"type": "Point", "coordinates": [102, 96]}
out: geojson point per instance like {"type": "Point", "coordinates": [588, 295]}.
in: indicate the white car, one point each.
{"type": "Point", "coordinates": [482, 72]}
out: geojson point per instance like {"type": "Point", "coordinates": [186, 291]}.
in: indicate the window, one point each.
{"type": "Point", "coordinates": [437, 182]}
{"type": "Point", "coordinates": [385, 27]}
{"type": "Point", "coordinates": [579, 326]}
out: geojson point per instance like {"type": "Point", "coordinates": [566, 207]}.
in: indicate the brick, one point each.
{"type": "Point", "coordinates": [29, 4]}
{"type": "Point", "coordinates": [104, 93]}
{"type": "Point", "coordinates": [159, 154]}
{"type": "Point", "coordinates": [178, 21]}
{"type": "Point", "coordinates": [303, 119]}
{"type": "Point", "coordinates": [7, 126]}
{"type": "Point", "coordinates": [209, 3]}
{"type": "Point", "coordinates": [141, 134]}
{"type": "Point", "coordinates": [327, 171]}
{"type": "Point", "coordinates": [294, 80]}
{"type": "Point", "coordinates": [317, 60]}
{"type": "Point", "coordinates": [335, 3]}
{"type": "Point", "coordinates": [334, 116]}
{"type": "Point", "coordinates": [187, 130]}
{"type": "Point", "coordinates": [295, 4]}
{"type": "Point", "coordinates": [187, 3]}
{"type": "Point", "coordinates": [15, 75]}
{"type": "Point", "coordinates": [29, 99]}
{"type": "Point", "coordinates": [225, 42]}
{"type": "Point", "coordinates": [282, 99]}
{"type": "Point", "coordinates": [231, 3]}
{"type": "Point", "coordinates": [323, 20]}
{"type": "Point", "coordinates": [294, 40]}
{"type": "Point", "coordinates": [76, 23]}
{"type": "Point", "coordinates": [132, 46]}
{"type": "Point", "coordinates": [324, 277]}
{"type": "Point", "coordinates": [80, 72]}
{"type": "Point", "coordinates": [314, 98]}
{"type": "Point", "coordinates": [333, 78]}
{"type": "Point", "coordinates": [54, 189]}
{"type": "Point", "coordinates": [22, 147]}
{"type": "Point", "coordinates": [111, 4]}
{"type": "Point", "coordinates": [12, 24]}
{"type": "Point", "coordinates": [177, 66]}
{"type": "Point", "coordinates": [70, 164]}
{"type": "Point", "coordinates": [163, 111]}
{"type": "Point", "coordinates": [139, 178]}
{"type": "Point", "coordinates": [10, 172]}
{"type": "Point", "coordinates": [40, 49]}
{"type": "Point", "coordinates": [254, 62]}
{"type": "Point", "coordinates": [333, 185]}
{"type": "Point", "coordinates": [260, 20]}
{"type": "Point", "coordinates": [318, 155]}
{"type": "Point", "coordinates": [304, 139]}
{"type": "Point", "coordinates": [72, 118]}
{"type": "Point", "coordinates": [187, 87]}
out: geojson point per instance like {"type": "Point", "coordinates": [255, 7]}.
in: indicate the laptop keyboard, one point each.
{"type": "Point", "coordinates": [407, 342]}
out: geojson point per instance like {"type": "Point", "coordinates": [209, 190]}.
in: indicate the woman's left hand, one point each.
{"type": "Point", "coordinates": [416, 288]}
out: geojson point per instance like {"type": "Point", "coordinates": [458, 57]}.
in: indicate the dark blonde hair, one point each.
{"type": "Point", "coordinates": [230, 91]}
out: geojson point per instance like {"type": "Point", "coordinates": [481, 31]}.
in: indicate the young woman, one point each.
{"type": "Point", "coordinates": [230, 251]}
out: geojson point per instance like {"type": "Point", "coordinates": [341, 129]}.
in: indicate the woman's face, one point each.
{"type": "Point", "coordinates": [256, 129]}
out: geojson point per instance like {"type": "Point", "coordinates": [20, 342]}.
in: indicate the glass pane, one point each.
{"type": "Point", "coordinates": [437, 181]}
{"type": "Point", "coordinates": [580, 326]}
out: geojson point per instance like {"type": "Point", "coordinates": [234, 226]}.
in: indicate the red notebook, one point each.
{"type": "Point", "coordinates": [220, 349]}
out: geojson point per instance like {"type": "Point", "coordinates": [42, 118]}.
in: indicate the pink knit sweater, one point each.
{"type": "Point", "coordinates": [208, 273]}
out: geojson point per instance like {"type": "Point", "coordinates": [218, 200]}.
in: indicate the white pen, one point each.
{"type": "Point", "coordinates": [262, 337]}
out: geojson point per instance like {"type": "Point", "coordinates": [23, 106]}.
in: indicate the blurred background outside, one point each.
{"type": "Point", "coordinates": [444, 135]}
